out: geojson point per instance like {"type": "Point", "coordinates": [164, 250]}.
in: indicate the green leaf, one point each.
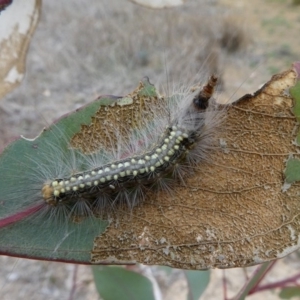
{"type": "Point", "coordinates": [295, 93]}
{"type": "Point", "coordinates": [115, 283]}
{"type": "Point", "coordinates": [197, 282]}
{"type": "Point", "coordinates": [30, 227]}
{"type": "Point", "coordinates": [292, 171]}
{"type": "Point", "coordinates": [27, 228]}
{"type": "Point", "coordinates": [148, 89]}
{"type": "Point", "coordinates": [290, 292]}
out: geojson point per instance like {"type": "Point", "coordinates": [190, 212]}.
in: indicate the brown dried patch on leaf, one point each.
{"type": "Point", "coordinates": [17, 24]}
{"type": "Point", "coordinates": [120, 116]}
{"type": "Point", "coordinates": [233, 212]}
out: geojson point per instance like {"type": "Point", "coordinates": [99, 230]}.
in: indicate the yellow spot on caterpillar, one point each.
{"type": "Point", "coordinates": [56, 193]}
{"type": "Point", "coordinates": [158, 164]}
{"type": "Point", "coordinates": [171, 152]}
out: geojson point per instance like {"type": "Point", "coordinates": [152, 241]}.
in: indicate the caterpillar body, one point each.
{"type": "Point", "coordinates": [178, 146]}
{"type": "Point", "coordinates": [179, 134]}
{"type": "Point", "coordinates": [145, 168]}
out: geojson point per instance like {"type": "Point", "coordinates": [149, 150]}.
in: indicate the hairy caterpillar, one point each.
{"type": "Point", "coordinates": [60, 191]}
{"type": "Point", "coordinates": [181, 142]}
{"type": "Point", "coordinates": [178, 135]}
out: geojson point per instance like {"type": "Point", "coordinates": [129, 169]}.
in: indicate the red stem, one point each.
{"type": "Point", "coordinates": [20, 215]}
{"type": "Point", "coordinates": [255, 287]}
{"type": "Point", "coordinates": [278, 284]}
{"type": "Point", "coordinates": [224, 285]}
{"type": "Point", "coordinates": [254, 280]}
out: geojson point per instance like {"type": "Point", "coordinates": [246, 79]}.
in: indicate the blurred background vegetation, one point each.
{"type": "Point", "coordinates": [82, 49]}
